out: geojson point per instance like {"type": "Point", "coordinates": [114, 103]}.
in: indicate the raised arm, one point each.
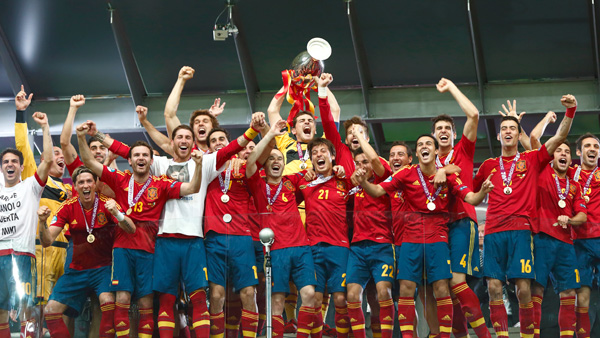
{"type": "Point", "coordinates": [48, 151]}
{"type": "Point", "coordinates": [374, 190]}
{"type": "Point", "coordinates": [47, 234]}
{"type": "Point", "coordinates": [125, 222]}
{"type": "Point", "coordinates": [84, 150]}
{"type": "Point", "coordinates": [570, 102]}
{"type": "Point", "coordinates": [22, 102]}
{"type": "Point", "coordinates": [242, 141]}
{"type": "Point", "coordinates": [472, 113]}
{"type": "Point", "coordinates": [358, 132]}
{"type": "Point", "coordinates": [193, 186]}
{"type": "Point", "coordinates": [475, 198]}
{"type": "Point", "coordinates": [65, 136]}
{"type": "Point", "coordinates": [536, 134]}
{"type": "Point", "coordinates": [275, 107]}
{"type": "Point", "coordinates": [159, 138]}
{"type": "Point", "coordinates": [171, 119]}
{"type": "Point", "coordinates": [511, 110]}
{"type": "Point", "coordinates": [264, 147]}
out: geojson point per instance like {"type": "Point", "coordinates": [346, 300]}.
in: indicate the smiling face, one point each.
{"type": "Point", "coordinates": [57, 168]}
{"type": "Point", "coordinates": [426, 151]}
{"type": "Point", "coordinates": [444, 134]}
{"type": "Point", "coordinates": [86, 187]}
{"type": "Point", "coordinates": [11, 169]}
{"type": "Point", "coordinates": [305, 128]}
{"type": "Point", "coordinates": [562, 158]}
{"type": "Point", "coordinates": [140, 160]}
{"type": "Point", "coordinates": [321, 159]}
{"type": "Point", "coordinates": [218, 140]}
{"type": "Point", "coordinates": [509, 134]}
{"type": "Point", "coordinates": [589, 152]}
{"type": "Point", "coordinates": [399, 157]}
{"type": "Point", "coordinates": [182, 143]}
{"type": "Point", "coordinates": [202, 125]}
{"type": "Point", "coordinates": [274, 164]}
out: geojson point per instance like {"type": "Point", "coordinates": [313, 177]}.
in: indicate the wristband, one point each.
{"type": "Point", "coordinates": [571, 112]}
{"type": "Point", "coordinates": [322, 91]}
{"type": "Point", "coordinates": [250, 134]}
{"type": "Point", "coordinates": [120, 217]}
{"type": "Point", "coordinates": [20, 116]}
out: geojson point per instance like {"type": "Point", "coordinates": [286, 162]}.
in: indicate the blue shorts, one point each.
{"type": "Point", "coordinates": [330, 267]}
{"type": "Point", "coordinates": [292, 264]}
{"type": "Point", "coordinates": [73, 287]}
{"type": "Point", "coordinates": [463, 240]}
{"type": "Point", "coordinates": [25, 286]}
{"type": "Point", "coordinates": [179, 259]}
{"type": "Point", "coordinates": [508, 255]}
{"type": "Point", "coordinates": [420, 262]}
{"type": "Point", "coordinates": [132, 272]}
{"type": "Point", "coordinates": [557, 258]}
{"type": "Point", "coordinates": [231, 258]}
{"type": "Point", "coordinates": [588, 259]}
{"type": "Point", "coordinates": [370, 259]}
{"type": "Point", "coordinates": [260, 256]}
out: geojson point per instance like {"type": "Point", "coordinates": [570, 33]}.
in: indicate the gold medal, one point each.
{"type": "Point", "coordinates": [129, 211]}
{"type": "Point", "coordinates": [224, 198]}
{"type": "Point", "coordinates": [507, 190]}
{"type": "Point", "coordinates": [303, 165]}
{"type": "Point", "coordinates": [562, 203]}
{"type": "Point", "coordinates": [91, 238]}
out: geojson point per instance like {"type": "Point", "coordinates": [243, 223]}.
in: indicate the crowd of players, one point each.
{"type": "Point", "coordinates": [189, 223]}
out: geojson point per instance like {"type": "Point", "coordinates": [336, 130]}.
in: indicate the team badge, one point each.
{"type": "Point", "coordinates": [340, 185]}
{"type": "Point", "coordinates": [102, 218]}
{"type": "Point", "coordinates": [521, 165]}
{"type": "Point", "coordinates": [289, 185]}
{"type": "Point", "coordinates": [152, 194]}
{"type": "Point", "coordinates": [597, 175]}
{"type": "Point", "coordinates": [572, 189]}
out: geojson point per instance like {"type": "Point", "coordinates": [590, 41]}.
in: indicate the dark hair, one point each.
{"type": "Point", "coordinates": [318, 142]}
{"type": "Point", "coordinates": [354, 120]}
{"type": "Point", "coordinates": [14, 152]}
{"type": "Point", "coordinates": [442, 117]}
{"type": "Point", "coordinates": [140, 144]}
{"type": "Point", "coordinates": [300, 113]}
{"type": "Point", "coordinates": [435, 142]}
{"type": "Point", "coordinates": [94, 138]}
{"type": "Point", "coordinates": [183, 126]}
{"type": "Point", "coordinates": [357, 152]}
{"type": "Point", "coordinates": [512, 118]}
{"type": "Point", "coordinates": [583, 137]}
{"type": "Point", "coordinates": [409, 152]}
{"type": "Point", "coordinates": [196, 113]}
{"type": "Point", "coordinates": [214, 130]}
{"type": "Point", "coordinates": [82, 170]}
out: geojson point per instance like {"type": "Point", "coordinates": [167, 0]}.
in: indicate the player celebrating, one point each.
{"type": "Point", "coordinates": [507, 248]}
{"type": "Point", "coordinates": [91, 218]}
{"type": "Point", "coordinates": [20, 200]}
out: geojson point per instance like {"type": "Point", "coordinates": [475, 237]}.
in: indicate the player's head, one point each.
{"type": "Point", "coordinates": [244, 153]}
{"type": "Point", "coordinates": [12, 166]}
{"type": "Point", "coordinates": [274, 165]}
{"type": "Point", "coordinates": [588, 147]}
{"type": "Point", "coordinates": [351, 141]}
{"type": "Point", "coordinates": [217, 138]}
{"type": "Point", "coordinates": [99, 151]}
{"type": "Point", "coordinates": [202, 122]}
{"type": "Point", "coordinates": [140, 157]}
{"type": "Point", "coordinates": [57, 169]}
{"type": "Point", "coordinates": [362, 162]}
{"type": "Point", "coordinates": [510, 128]}
{"type": "Point", "coordinates": [322, 155]}
{"type": "Point", "coordinates": [444, 130]}
{"type": "Point", "coordinates": [400, 155]}
{"type": "Point", "coordinates": [426, 148]}
{"type": "Point", "coordinates": [304, 127]}
{"type": "Point", "coordinates": [182, 140]}
{"type": "Point", "coordinates": [85, 183]}
{"type": "Point", "coordinates": [562, 157]}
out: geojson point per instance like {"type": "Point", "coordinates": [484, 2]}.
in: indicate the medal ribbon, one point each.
{"type": "Point", "coordinates": [225, 184]}
{"type": "Point", "coordinates": [87, 226]}
{"type": "Point", "coordinates": [302, 158]}
{"type": "Point", "coordinates": [354, 190]}
{"type": "Point", "coordinates": [560, 194]}
{"type": "Point", "coordinates": [272, 200]}
{"type": "Point", "coordinates": [438, 163]}
{"type": "Point", "coordinates": [130, 200]}
{"type": "Point", "coordinates": [430, 198]}
{"type": "Point", "coordinates": [507, 179]}
{"type": "Point", "coordinates": [320, 179]}
{"type": "Point", "coordinates": [586, 187]}
{"type": "Point", "coordinates": [297, 92]}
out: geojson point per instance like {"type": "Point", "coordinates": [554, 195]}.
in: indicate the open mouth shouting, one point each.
{"type": "Point", "coordinates": [202, 132]}
{"type": "Point", "coordinates": [60, 163]}
{"type": "Point", "coordinates": [396, 165]}
{"type": "Point", "coordinates": [444, 138]}
{"type": "Point", "coordinates": [425, 154]}
{"type": "Point", "coordinates": [276, 169]}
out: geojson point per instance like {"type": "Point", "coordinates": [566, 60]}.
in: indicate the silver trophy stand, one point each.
{"type": "Point", "coordinates": [267, 237]}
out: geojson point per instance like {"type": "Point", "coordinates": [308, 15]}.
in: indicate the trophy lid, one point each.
{"type": "Point", "coordinates": [318, 49]}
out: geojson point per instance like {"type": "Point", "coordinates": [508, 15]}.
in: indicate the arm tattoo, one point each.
{"type": "Point", "coordinates": [100, 135]}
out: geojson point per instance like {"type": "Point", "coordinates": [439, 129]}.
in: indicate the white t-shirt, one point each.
{"type": "Point", "coordinates": [18, 216]}
{"type": "Point", "coordinates": [184, 216]}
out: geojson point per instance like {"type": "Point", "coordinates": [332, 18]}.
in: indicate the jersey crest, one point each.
{"type": "Point", "coordinates": [340, 185]}
{"type": "Point", "coordinates": [152, 194]}
{"type": "Point", "coordinates": [521, 165]}
{"type": "Point", "coordinates": [597, 175]}
{"type": "Point", "coordinates": [102, 220]}
{"type": "Point", "coordinates": [289, 186]}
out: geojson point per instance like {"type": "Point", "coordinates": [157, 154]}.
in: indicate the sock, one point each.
{"type": "Point", "coordinates": [107, 322]}
{"type": "Point", "coordinates": [232, 321]}
{"type": "Point", "coordinates": [146, 324]}
{"type": "Point", "coordinates": [217, 325]}
{"type": "Point", "coordinates": [471, 309]}
{"type": "Point", "coordinates": [537, 314]}
{"type": "Point", "coordinates": [249, 324]}
{"type": "Point", "coordinates": [499, 317]}
{"type": "Point", "coordinates": [357, 319]}
{"type": "Point", "coordinates": [526, 319]}
{"type": "Point", "coordinates": [56, 325]}
{"type": "Point", "coordinates": [406, 316]}
{"type": "Point", "coordinates": [277, 322]}
{"type": "Point", "coordinates": [375, 326]}
{"type": "Point", "coordinates": [317, 330]}
{"type": "Point", "coordinates": [342, 322]}
{"type": "Point", "coordinates": [291, 301]}
{"type": "Point", "coordinates": [166, 316]}
{"type": "Point", "coordinates": [200, 315]}
{"type": "Point", "coordinates": [386, 317]}
{"type": "Point", "coordinates": [566, 317]}
{"type": "Point", "coordinates": [444, 312]}
{"type": "Point", "coordinates": [305, 321]}
{"type": "Point", "coordinates": [583, 322]}
{"type": "Point", "coordinates": [4, 330]}
{"type": "Point", "coordinates": [122, 319]}
{"type": "Point", "coordinates": [459, 322]}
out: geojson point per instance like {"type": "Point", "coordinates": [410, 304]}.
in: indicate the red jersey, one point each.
{"type": "Point", "coordinates": [326, 211]}
{"type": "Point", "coordinates": [372, 218]}
{"type": "Point", "coordinates": [284, 218]}
{"type": "Point", "coordinates": [88, 255]}
{"type": "Point", "coordinates": [343, 154]}
{"type": "Point", "coordinates": [399, 210]}
{"type": "Point", "coordinates": [514, 211]}
{"type": "Point", "coordinates": [462, 156]}
{"type": "Point", "coordinates": [591, 228]}
{"type": "Point", "coordinates": [422, 225]}
{"type": "Point", "coordinates": [146, 212]}
{"type": "Point", "coordinates": [215, 212]}
{"type": "Point", "coordinates": [547, 205]}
